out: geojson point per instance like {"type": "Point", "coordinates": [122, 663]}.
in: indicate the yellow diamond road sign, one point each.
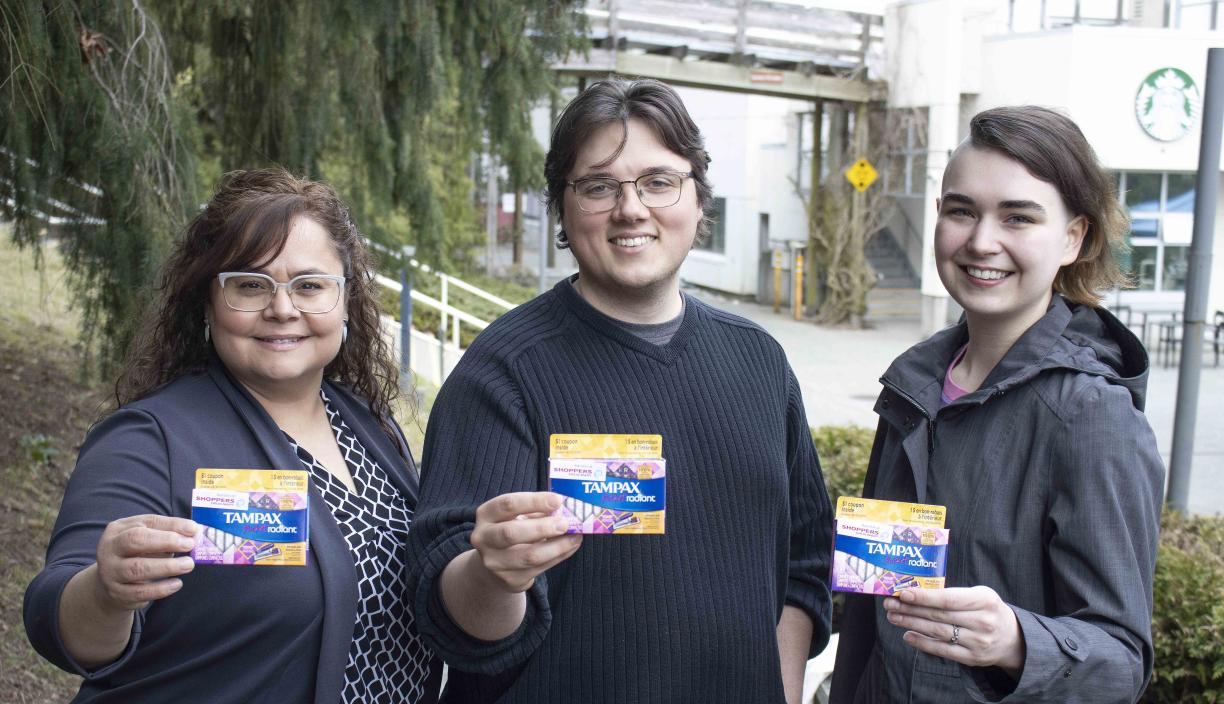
{"type": "Point", "coordinates": [861, 175]}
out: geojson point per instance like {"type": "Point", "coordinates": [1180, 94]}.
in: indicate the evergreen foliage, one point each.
{"type": "Point", "coordinates": [1188, 612]}
{"type": "Point", "coordinates": [150, 101]}
{"type": "Point", "coordinates": [87, 103]}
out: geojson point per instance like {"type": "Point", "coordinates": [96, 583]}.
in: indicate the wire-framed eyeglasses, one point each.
{"type": "Point", "coordinates": [309, 293]}
{"type": "Point", "coordinates": [659, 189]}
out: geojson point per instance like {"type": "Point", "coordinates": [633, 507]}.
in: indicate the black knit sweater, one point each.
{"type": "Point", "coordinates": [689, 616]}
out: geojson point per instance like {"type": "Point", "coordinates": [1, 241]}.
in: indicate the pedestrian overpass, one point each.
{"type": "Point", "coordinates": [801, 49]}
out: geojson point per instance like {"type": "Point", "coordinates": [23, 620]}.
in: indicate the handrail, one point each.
{"type": "Point", "coordinates": [446, 278]}
{"type": "Point", "coordinates": [479, 292]}
{"type": "Point", "coordinates": [451, 316]}
{"type": "Point", "coordinates": [87, 187]}
{"type": "Point", "coordinates": [446, 308]}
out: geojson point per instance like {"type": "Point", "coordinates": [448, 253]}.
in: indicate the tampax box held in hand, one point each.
{"type": "Point", "coordinates": [610, 484]}
{"type": "Point", "coordinates": [884, 547]}
{"type": "Point", "coordinates": [251, 516]}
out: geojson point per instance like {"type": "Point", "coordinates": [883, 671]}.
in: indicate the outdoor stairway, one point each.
{"type": "Point", "coordinates": [896, 295]}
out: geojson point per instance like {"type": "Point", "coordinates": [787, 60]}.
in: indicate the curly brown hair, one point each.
{"type": "Point", "coordinates": [244, 226]}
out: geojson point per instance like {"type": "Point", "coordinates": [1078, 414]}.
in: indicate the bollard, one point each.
{"type": "Point", "coordinates": [797, 297]}
{"type": "Point", "coordinates": [441, 354]}
{"type": "Point", "coordinates": [777, 269]}
{"type": "Point", "coordinates": [405, 328]}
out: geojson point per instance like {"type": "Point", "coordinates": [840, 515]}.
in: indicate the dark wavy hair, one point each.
{"type": "Point", "coordinates": [1053, 149]}
{"type": "Point", "coordinates": [618, 101]}
{"type": "Point", "coordinates": [243, 227]}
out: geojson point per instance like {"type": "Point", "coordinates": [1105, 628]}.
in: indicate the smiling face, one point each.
{"type": "Point", "coordinates": [631, 253]}
{"type": "Point", "coordinates": [280, 349]}
{"type": "Point", "coordinates": [1000, 238]}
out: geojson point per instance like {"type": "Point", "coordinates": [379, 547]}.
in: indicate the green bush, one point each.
{"type": "Point", "coordinates": [844, 451]}
{"type": "Point", "coordinates": [1188, 611]}
{"type": "Point", "coordinates": [38, 449]}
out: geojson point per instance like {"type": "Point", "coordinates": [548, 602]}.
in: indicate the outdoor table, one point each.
{"type": "Point", "coordinates": [1153, 316]}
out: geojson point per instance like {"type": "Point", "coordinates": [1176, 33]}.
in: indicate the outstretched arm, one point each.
{"type": "Point", "coordinates": [135, 566]}
{"type": "Point", "coordinates": [515, 540]}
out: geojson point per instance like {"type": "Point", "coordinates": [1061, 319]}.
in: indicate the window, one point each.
{"type": "Point", "coordinates": [1035, 15]}
{"type": "Point", "coordinates": [1161, 207]}
{"type": "Point", "coordinates": [717, 240]}
{"type": "Point", "coordinates": [905, 173]}
{"type": "Point", "coordinates": [1198, 14]}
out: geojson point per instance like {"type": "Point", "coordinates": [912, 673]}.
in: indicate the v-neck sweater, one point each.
{"type": "Point", "coordinates": [686, 616]}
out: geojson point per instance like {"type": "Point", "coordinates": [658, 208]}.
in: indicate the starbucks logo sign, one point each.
{"type": "Point", "coordinates": [1167, 104]}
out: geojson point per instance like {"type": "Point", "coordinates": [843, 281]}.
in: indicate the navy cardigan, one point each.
{"type": "Point", "coordinates": [232, 633]}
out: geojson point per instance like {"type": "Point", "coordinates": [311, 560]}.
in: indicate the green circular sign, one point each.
{"type": "Point", "coordinates": [1167, 104]}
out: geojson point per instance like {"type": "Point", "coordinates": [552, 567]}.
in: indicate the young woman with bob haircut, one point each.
{"type": "Point", "coordinates": [1026, 421]}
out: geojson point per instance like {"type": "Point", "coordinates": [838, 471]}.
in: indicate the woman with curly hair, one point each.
{"type": "Point", "coordinates": [263, 353]}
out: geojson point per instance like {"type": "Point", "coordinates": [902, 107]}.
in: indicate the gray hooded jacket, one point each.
{"type": "Point", "coordinates": [1053, 487]}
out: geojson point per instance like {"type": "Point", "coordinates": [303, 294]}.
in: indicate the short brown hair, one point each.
{"type": "Point", "coordinates": [617, 100]}
{"type": "Point", "coordinates": [1053, 149]}
{"type": "Point", "coordinates": [244, 226]}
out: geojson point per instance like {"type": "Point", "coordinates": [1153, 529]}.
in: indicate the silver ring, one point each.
{"type": "Point", "coordinates": [955, 635]}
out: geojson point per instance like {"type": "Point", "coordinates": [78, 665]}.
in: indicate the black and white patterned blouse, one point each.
{"type": "Point", "coordinates": [387, 662]}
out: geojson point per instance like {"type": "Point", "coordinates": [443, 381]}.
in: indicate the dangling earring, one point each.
{"type": "Point", "coordinates": [206, 335]}
{"type": "Point", "coordinates": [344, 333]}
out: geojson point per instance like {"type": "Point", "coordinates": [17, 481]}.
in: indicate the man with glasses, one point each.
{"type": "Point", "coordinates": [728, 603]}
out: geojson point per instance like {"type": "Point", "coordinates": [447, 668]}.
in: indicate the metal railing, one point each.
{"type": "Point", "coordinates": [451, 316]}
{"type": "Point", "coordinates": [439, 348]}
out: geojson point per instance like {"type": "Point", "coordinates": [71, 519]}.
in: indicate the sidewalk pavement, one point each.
{"type": "Point", "coordinates": [839, 371]}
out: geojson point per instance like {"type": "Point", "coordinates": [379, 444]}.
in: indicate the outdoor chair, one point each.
{"type": "Point", "coordinates": [1168, 342]}
{"type": "Point", "coordinates": [1168, 339]}
{"type": "Point", "coordinates": [1216, 334]}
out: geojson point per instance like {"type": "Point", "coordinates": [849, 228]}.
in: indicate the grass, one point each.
{"type": "Point", "coordinates": [46, 412]}
{"type": "Point", "coordinates": [413, 414]}
{"type": "Point", "coordinates": [42, 422]}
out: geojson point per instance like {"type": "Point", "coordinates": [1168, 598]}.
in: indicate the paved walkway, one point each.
{"type": "Point", "coordinates": [839, 373]}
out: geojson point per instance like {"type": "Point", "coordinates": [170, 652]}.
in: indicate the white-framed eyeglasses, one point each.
{"type": "Point", "coordinates": [659, 189]}
{"type": "Point", "coordinates": [309, 293]}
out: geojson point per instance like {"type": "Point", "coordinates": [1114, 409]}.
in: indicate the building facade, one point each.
{"type": "Point", "coordinates": [1131, 74]}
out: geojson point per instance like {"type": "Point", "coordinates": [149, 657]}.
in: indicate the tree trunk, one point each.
{"type": "Point", "coordinates": [516, 231]}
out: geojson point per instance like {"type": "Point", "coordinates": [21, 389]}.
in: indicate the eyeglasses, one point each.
{"type": "Point", "coordinates": [660, 189]}
{"type": "Point", "coordinates": [309, 293]}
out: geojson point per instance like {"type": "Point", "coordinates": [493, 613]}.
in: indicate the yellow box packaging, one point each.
{"type": "Point", "coordinates": [251, 516]}
{"type": "Point", "coordinates": [884, 547]}
{"type": "Point", "coordinates": [610, 484]}
{"type": "Point", "coordinates": [600, 445]}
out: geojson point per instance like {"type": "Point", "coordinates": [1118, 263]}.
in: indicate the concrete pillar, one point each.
{"type": "Point", "coordinates": [1215, 298]}
{"type": "Point", "coordinates": [943, 134]}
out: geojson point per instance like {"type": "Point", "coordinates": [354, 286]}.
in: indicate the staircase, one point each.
{"type": "Point", "coordinates": [896, 295]}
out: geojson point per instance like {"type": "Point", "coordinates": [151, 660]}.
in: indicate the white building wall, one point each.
{"type": "Point", "coordinates": [939, 51]}
{"type": "Point", "coordinates": [787, 215]}
{"type": "Point", "coordinates": [924, 48]}
{"type": "Point", "coordinates": [752, 159]}
{"type": "Point", "coordinates": [1093, 73]}
{"type": "Point", "coordinates": [955, 58]}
